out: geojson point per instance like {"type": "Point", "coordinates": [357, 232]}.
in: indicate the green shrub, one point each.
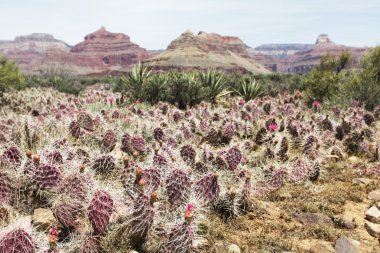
{"type": "Point", "coordinates": [184, 90]}
{"type": "Point", "coordinates": [363, 85]}
{"type": "Point", "coordinates": [10, 77]}
{"type": "Point", "coordinates": [325, 79]}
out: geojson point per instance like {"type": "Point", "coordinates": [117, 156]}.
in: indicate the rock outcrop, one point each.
{"type": "Point", "coordinates": [103, 52]}
{"type": "Point", "coordinates": [206, 50]}
{"type": "Point", "coordinates": [305, 57]}
{"type": "Point", "coordinates": [30, 50]}
{"type": "Point", "coordinates": [280, 50]}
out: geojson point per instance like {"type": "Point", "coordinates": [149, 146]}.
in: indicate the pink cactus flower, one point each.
{"type": "Point", "coordinates": [316, 104]}
{"type": "Point", "coordinates": [273, 127]}
{"type": "Point", "coordinates": [241, 101]}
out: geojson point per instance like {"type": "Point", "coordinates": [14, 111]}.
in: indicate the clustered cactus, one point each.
{"type": "Point", "coordinates": [99, 211]}
{"type": "Point", "coordinates": [111, 174]}
{"type": "Point", "coordinates": [17, 241]}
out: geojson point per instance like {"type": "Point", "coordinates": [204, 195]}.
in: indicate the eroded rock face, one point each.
{"type": "Point", "coordinates": [206, 50]}
{"type": "Point", "coordinates": [30, 50]}
{"type": "Point", "coordinates": [301, 58]}
{"type": "Point", "coordinates": [106, 52]}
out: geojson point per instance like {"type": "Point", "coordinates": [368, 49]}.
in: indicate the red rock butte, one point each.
{"type": "Point", "coordinates": [206, 50]}
{"type": "Point", "coordinates": [103, 52]}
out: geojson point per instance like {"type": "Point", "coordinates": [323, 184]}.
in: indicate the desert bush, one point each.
{"type": "Point", "coordinates": [365, 88]}
{"type": "Point", "coordinates": [363, 84]}
{"type": "Point", "coordinates": [10, 77]}
{"type": "Point", "coordinates": [184, 90]}
{"type": "Point", "coordinates": [69, 85]}
{"type": "Point", "coordinates": [324, 80]}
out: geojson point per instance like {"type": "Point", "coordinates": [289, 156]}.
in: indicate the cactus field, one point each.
{"type": "Point", "coordinates": [88, 174]}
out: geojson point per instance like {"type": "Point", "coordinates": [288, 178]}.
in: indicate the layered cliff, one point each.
{"type": "Point", "coordinates": [103, 52]}
{"type": "Point", "coordinates": [206, 50]}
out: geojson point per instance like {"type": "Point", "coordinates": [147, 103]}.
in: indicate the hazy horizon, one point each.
{"type": "Point", "coordinates": [154, 24]}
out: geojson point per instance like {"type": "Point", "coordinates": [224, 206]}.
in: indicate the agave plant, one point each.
{"type": "Point", "coordinates": [136, 79]}
{"type": "Point", "coordinates": [216, 83]}
{"type": "Point", "coordinates": [251, 89]}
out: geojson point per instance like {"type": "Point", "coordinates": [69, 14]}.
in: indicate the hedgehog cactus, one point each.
{"type": "Point", "coordinates": [99, 211]}
{"type": "Point", "coordinates": [142, 217]}
{"type": "Point", "coordinates": [90, 244]}
{"type": "Point", "coordinates": [228, 205]}
{"type": "Point", "coordinates": [74, 129]}
{"type": "Point", "coordinates": [246, 195]}
{"type": "Point", "coordinates": [6, 188]}
{"type": "Point", "coordinates": [309, 145]}
{"type": "Point", "coordinates": [212, 136]}
{"type": "Point", "coordinates": [85, 121]}
{"type": "Point", "coordinates": [11, 157]}
{"type": "Point", "coordinates": [299, 171]}
{"type": "Point", "coordinates": [66, 213]}
{"type": "Point", "coordinates": [109, 140]}
{"type": "Point", "coordinates": [283, 150]}
{"type": "Point", "coordinates": [188, 154]}
{"type": "Point", "coordinates": [177, 186]}
{"type": "Point", "coordinates": [181, 237]}
{"type": "Point", "coordinates": [261, 136]}
{"type": "Point", "coordinates": [159, 134]}
{"type": "Point", "coordinates": [17, 241]}
{"type": "Point", "coordinates": [159, 160]}
{"type": "Point", "coordinates": [339, 133]}
{"type": "Point", "coordinates": [278, 178]}
{"type": "Point", "coordinates": [200, 167]}
{"type": "Point", "coordinates": [46, 176]}
{"type": "Point", "coordinates": [208, 187]}
{"type": "Point", "coordinates": [233, 157]}
{"type": "Point", "coordinates": [368, 119]}
{"type": "Point", "coordinates": [151, 177]}
{"type": "Point", "coordinates": [227, 133]}
{"type": "Point", "coordinates": [54, 157]}
{"type": "Point", "coordinates": [126, 145]}
{"type": "Point", "coordinates": [75, 186]}
{"type": "Point", "coordinates": [104, 164]}
{"type": "Point", "coordinates": [326, 124]}
{"type": "Point", "coordinates": [138, 144]}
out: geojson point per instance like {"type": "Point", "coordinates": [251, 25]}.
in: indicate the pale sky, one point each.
{"type": "Point", "coordinates": [154, 23]}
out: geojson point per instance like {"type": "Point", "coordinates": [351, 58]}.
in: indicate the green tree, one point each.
{"type": "Point", "coordinates": [364, 85]}
{"type": "Point", "coordinates": [325, 79]}
{"type": "Point", "coordinates": [10, 77]}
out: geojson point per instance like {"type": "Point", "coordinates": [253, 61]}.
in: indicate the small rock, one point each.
{"type": "Point", "coordinates": [43, 219]}
{"type": "Point", "coordinates": [311, 219]}
{"type": "Point", "coordinates": [373, 214]}
{"type": "Point", "coordinates": [362, 181]}
{"type": "Point", "coordinates": [225, 247]}
{"type": "Point", "coordinates": [374, 195]}
{"type": "Point", "coordinates": [133, 251]}
{"type": "Point", "coordinates": [372, 228]}
{"type": "Point", "coordinates": [201, 243]}
{"type": "Point", "coordinates": [353, 159]}
{"type": "Point", "coordinates": [346, 245]}
{"type": "Point", "coordinates": [322, 246]}
{"type": "Point", "coordinates": [233, 248]}
{"type": "Point", "coordinates": [378, 204]}
{"type": "Point", "coordinates": [346, 223]}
